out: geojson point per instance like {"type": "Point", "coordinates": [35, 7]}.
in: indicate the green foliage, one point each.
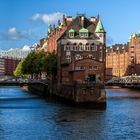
{"type": "Point", "coordinates": [37, 62]}
{"type": "Point", "coordinates": [18, 71]}
{"type": "Point", "coordinates": [50, 64]}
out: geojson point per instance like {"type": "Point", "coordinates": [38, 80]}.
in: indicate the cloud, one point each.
{"type": "Point", "coordinates": [14, 34]}
{"type": "Point", "coordinates": [47, 18]}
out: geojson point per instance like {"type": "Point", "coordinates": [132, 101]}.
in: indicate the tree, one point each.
{"type": "Point", "coordinates": [37, 62]}
{"type": "Point", "coordinates": [18, 71]}
{"type": "Point", "coordinates": [50, 64]}
{"type": "Point", "coordinates": [28, 65]}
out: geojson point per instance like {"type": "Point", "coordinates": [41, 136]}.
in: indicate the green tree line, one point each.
{"type": "Point", "coordinates": [36, 63]}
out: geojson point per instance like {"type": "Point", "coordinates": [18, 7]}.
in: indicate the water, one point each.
{"type": "Point", "coordinates": [25, 117]}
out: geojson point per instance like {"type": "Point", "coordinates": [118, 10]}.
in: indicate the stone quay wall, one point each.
{"type": "Point", "coordinates": [81, 94]}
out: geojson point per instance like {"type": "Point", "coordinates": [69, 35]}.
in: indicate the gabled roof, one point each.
{"type": "Point", "coordinates": [99, 27]}
{"type": "Point", "coordinates": [77, 25]}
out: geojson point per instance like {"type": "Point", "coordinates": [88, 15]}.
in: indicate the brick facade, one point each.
{"type": "Point", "coordinates": [134, 54]}
{"type": "Point", "coordinates": [81, 58]}
{"type": "Point", "coordinates": [123, 60]}
{"type": "Point", "coordinates": [116, 61]}
{"type": "Point", "coordinates": [8, 65]}
{"type": "Point", "coordinates": [54, 33]}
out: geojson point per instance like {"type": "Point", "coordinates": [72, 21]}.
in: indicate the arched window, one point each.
{"type": "Point", "coordinates": [68, 46]}
{"type": "Point", "coordinates": [93, 47]}
{"type": "Point", "coordinates": [87, 47]}
{"type": "Point", "coordinates": [74, 46]}
{"type": "Point", "coordinates": [80, 46]}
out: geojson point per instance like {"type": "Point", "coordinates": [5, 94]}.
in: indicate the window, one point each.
{"type": "Point", "coordinates": [90, 67]}
{"type": "Point", "coordinates": [87, 47]}
{"type": "Point", "coordinates": [77, 68]}
{"type": "Point", "coordinates": [68, 57]}
{"type": "Point", "coordinates": [93, 47]}
{"type": "Point", "coordinates": [71, 33]}
{"type": "Point", "coordinates": [82, 67]}
{"type": "Point", "coordinates": [83, 33]}
{"type": "Point", "coordinates": [100, 35]}
{"type": "Point", "coordinates": [132, 56]}
{"type": "Point", "coordinates": [74, 47]}
{"type": "Point", "coordinates": [95, 67]}
{"type": "Point", "coordinates": [67, 47]}
{"type": "Point", "coordinates": [80, 46]}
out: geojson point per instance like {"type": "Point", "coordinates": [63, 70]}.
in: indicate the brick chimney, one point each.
{"type": "Point", "coordinates": [93, 19]}
{"type": "Point", "coordinates": [82, 21]}
{"type": "Point", "coordinates": [64, 20]}
{"type": "Point", "coordinates": [68, 20]}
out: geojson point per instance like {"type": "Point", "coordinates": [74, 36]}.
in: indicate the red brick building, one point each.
{"type": "Point", "coordinates": [116, 61]}
{"type": "Point", "coordinates": [2, 67]}
{"type": "Point", "coordinates": [81, 51]}
{"type": "Point", "coordinates": [54, 33]}
{"type": "Point", "coordinates": [8, 65]}
{"type": "Point", "coordinates": [123, 60]}
{"type": "Point", "coordinates": [134, 54]}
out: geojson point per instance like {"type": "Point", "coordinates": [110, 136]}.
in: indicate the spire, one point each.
{"type": "Point", "coordinates": [49, 28]}
{"type": "Point", "coordinates": [98, 17]}
{"type": "Point", "coordinates": [64, 20]}
{"type": "Point", "coordinates": [59, 22]}
{"type": "Point", "coordinates": [99, 27]}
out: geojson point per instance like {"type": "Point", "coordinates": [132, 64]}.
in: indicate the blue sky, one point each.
{"type": "Point", "coordinates": [24, 22]}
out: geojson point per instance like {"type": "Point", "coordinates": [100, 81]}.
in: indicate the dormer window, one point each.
{"type": "Point", "coordinates": [83, 33]}
{"type": "Point", "coordinates": [71, 33]}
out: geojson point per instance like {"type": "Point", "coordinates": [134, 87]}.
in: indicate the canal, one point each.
{"type": "Point", "coordinates": [26, 117]}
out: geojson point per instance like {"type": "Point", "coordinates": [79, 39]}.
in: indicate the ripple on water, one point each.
{"type": "Point", "coordinates": [25, 117]}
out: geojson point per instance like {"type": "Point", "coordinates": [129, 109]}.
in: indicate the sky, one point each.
{"type": "Point", "coordinates": [25, 22]}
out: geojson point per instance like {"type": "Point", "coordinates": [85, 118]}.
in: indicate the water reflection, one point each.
{"type": "Point", "coordinates": [24, 116]}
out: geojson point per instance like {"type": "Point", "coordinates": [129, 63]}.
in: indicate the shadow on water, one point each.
{"type": "Point", "coordinates": [123, 93]}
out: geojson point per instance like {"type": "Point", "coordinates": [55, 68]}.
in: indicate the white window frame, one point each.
{"type": "Point", "coordinates": [71, 35]}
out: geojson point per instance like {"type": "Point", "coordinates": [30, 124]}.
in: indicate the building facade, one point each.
{"type": "Point", "coordinates": [81, 51]}
{"type": "Point", "coordinates": [117, 61]}
{"type": "Point", "coordinates": [123, 59]}
{"type": "Point", "coordinates": [2, 67]}
{"type": "Point", "coordinates": [54, 32]}
{"type": "Point", "coordinates": [134, 54]}
{"type": "Point", "coordinates": [8, 65]}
